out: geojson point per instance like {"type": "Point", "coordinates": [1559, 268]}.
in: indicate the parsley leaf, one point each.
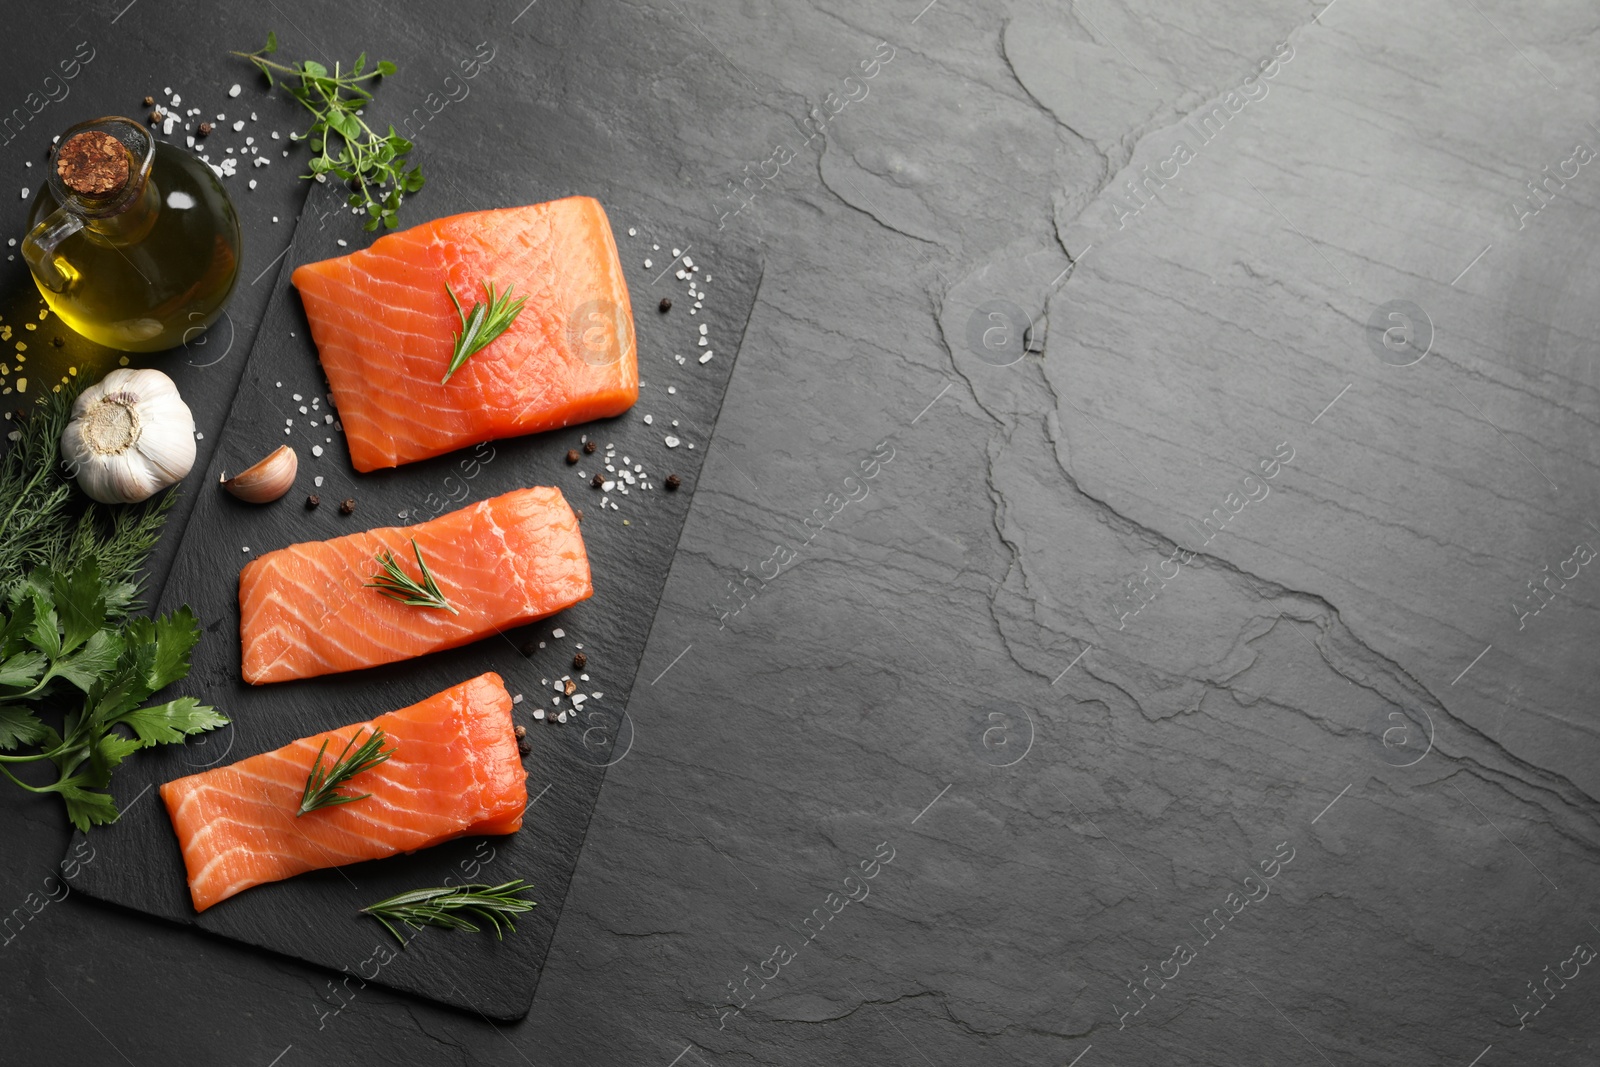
{"type": "Point", "coordinates": [163, 647]}
{"type": "Point", "coordinates": [162, 724]}
{"type": "Point", "coordinates": [84, 808]}
{"type": "Point", "coordinates": [22, 669]}
{"type": "Point", "coordinates": [98, 655]}
{"type": "Point", "coordinates": [80, 598]}
{"type": "Point", "coordinates": [19, 726]}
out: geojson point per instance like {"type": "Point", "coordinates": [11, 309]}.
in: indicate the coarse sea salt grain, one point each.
{"type": "Point", "coordinates": [237, 126]}
{"type": "Point", "coordinates": [632, 232]}
{"type": "Point", "coordinates": [676, 253]}
{"type": "Point", "coordinates": [706, 358]}
{"type": "Point", "coordinates": [702, 329]}
{"type": "Point", "coordinates": [672, 442]}
{"type": "Point", "coordinates": [234, 90]}
{"type": "Point", "coordinates": [648, 419]}
{"type": "Point", "coordinates": [647, 263]}
{"type": "Point", "coordinates": [342, 243]}
{"type": "Point", "coordinates": [316, 450]}
{"type": "Point", "coordinates": [318, 481]}
{"type": "Point", "coordinates": [517, 699]}
{"type": "Point", "coordinates": [672, 390]}
{"type": "Point", "coordinates": [538, 713]}
{"type": "Point", "coordinates": [558, 633]}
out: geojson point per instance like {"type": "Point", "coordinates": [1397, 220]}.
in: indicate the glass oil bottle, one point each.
{"type": "Point", "coordinates": [134, 243]}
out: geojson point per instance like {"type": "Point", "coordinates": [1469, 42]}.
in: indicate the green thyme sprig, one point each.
{"type": "Point", "coordinates": [398, 585]}
{"type": "Point", "coordinates": [454, 908]}
{"type": "Point", "coordinates": [322, 784]}
{"type": "Point", "coordinates": [482, 325]}
{"type": "Point", "coordinates": [365, 159]}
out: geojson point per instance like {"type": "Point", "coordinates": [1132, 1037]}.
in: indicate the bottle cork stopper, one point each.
{"type": "Point", "coordinates": [93, 164]}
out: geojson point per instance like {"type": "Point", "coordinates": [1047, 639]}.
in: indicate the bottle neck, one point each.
{"type": "Point", "coordinates": [130, 225]}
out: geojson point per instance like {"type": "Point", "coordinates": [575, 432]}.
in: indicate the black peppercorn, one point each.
{"type": "Point", "coordinates": [673, 481]}
{"type": "Point", "coordinates": [572, 455]}
{"type": "Point", "coordinates": [666, 304]}
{"type": "Point", "coordinates": [579, 661]}
{"type": "Point", "coordinates": [204, 130]}
{"type": "Point", "coordinates": [523, 748]}
{"type": "Point", "coordinates": [156, 116]}
{"type": "Point", "coordinates": [149, 100]}
{"type": "Point", "coordinates": [579, 513]}
{"type": "Point", "coordinates": [599, 480]}
{"type": "Point", "coordinates": [312, 501]}
{"type": "Point", "coordinates": [520, 730]}
{"type": "Point", "coordinates": [348, 507]}
{"type": "Point", "coordinates": [588, 448]}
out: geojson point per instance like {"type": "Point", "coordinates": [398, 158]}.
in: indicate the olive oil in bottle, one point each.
{"type": "Point", "coordinates": [135, 243]}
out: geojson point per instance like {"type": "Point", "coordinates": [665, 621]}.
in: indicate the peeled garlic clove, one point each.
{"type": "Point", "coordinates": [130, 436]}
{"type": "Point", "coordinates": [268, 479]}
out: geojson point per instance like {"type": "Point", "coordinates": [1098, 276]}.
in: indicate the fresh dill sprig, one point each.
{"type": "Point", "coordinates": [482, 325]}
{"type": "Point", "coordinates": [454, 908]}
{"type": "Point", "coordinates": [44, 522]}
{"type": "Point", "coordinates": [322, 784]}
{"type": "Point", "coordinates": [398, 585]}
{"type": "Point", "coordinates": [366, 160]}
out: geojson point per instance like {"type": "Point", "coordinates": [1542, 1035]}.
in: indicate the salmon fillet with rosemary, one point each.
{"type": "Point", "coordinates": [384, 327]}
{"type": "Point", "coordinates": [309, 609]}
{"type": "Point", "coordinates": [455, 771]}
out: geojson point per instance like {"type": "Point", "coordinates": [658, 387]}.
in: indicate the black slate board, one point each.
{"type": "Point", "coordinates": [314, 917]}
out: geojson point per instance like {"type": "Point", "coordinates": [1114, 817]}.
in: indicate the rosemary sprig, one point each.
{"type": "Point", "coordinates": [454, 908]}
{"type": "Point", "coordinates": [322, 784]}
{"type": "Point", "coordinates": [366, 160]}
{"type": "Point", "coordinates": [398, 585]}
{"type": "Point", "coordinates": [482, 325]}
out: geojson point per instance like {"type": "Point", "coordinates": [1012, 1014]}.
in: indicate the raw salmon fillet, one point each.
{"type": "Point", "coordinates": [306, 610]}
{"type": "Point", "coordinates": [384, 328]}
{"type": "Point", "coordinates": [455, 771]}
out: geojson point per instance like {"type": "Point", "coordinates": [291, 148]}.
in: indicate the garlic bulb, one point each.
{"type": "Point", "coordinates": [131, 435]}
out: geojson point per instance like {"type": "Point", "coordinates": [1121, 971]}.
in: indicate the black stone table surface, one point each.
{"type": "Point", "coordinates": [1134, 607]}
